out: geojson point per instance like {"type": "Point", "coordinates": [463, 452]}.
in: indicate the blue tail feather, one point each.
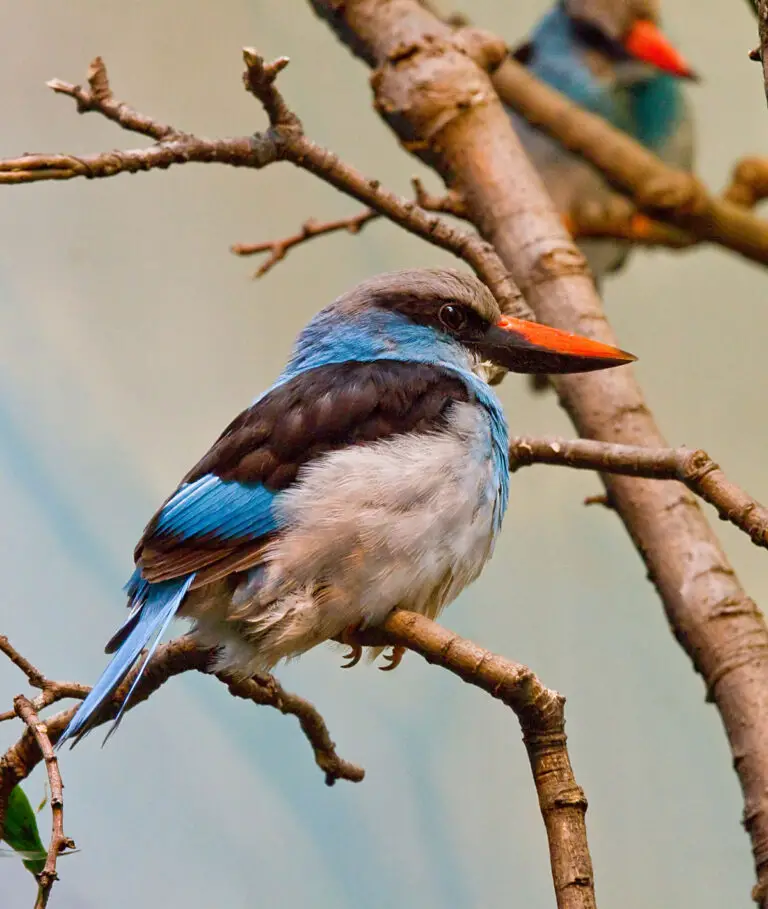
{"type": "Point", "coordinates": [154, 606]}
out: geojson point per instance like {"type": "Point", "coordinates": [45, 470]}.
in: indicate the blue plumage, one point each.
{"type": "Point", "coordinates": [155, 607]}
{"type": "Point", "coordinates": [212, 507]}
{"type": "Point", "coordinates": [372, 475]}
{"type": "Point", "coordinates": [614, 61]}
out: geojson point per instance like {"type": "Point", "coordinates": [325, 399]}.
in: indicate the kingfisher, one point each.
{"type": "Point", "coordinates": [611, 58]}
{"type": "Point", "coordinates": [372, 475]}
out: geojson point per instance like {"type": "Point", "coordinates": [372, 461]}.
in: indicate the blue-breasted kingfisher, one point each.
{"type": "Point", "coordinates": [611, 58]}
{"type": "Point", "coordinates": [372, 475]}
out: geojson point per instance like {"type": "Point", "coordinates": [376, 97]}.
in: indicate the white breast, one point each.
{"type": "Point", "coordinates": [406, 522]}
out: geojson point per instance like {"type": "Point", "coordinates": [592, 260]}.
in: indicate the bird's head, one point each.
{"type": "Point", "coordinates": [626, 34]}
{"type": "Point", "coordinates": [442, 315]}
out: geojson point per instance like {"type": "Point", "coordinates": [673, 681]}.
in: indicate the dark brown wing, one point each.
{"type": "Point", "coordinates": [220, 517]}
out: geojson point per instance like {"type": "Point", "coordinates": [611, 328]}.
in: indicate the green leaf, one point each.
{"type": "Point", "coordinates": [21, 831]}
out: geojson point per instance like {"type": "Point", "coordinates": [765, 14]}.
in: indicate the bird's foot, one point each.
{"type": "Point", "coordinates": [639, 227]}
{"type": "Point", "coordinates": [355, 652]}
{"type": "Point", "coordinates": [393, 659]}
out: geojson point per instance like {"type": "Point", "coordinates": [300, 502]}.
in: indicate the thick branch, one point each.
{"type": "Point", "coordinates": [661, 191]}
{"type": "Point", "coordinates": [59, 842]}
{"type": "Point", "coordinates": [694, 468]}
{"type": "Point", "coordinates": [541, 714]}
{"type": "Point", "coordinates": [432, 94]}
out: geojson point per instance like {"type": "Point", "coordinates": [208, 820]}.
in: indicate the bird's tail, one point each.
{"type": "Point", "coordinates": [153, 607]}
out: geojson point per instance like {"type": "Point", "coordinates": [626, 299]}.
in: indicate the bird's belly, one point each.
{"type": "Point", "coordinates": [406, 522]}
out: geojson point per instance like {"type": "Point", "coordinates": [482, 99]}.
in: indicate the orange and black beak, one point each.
{"type": "Point", "coordinates": [646, 42]}
{"type": "Point", "coordinates": [521, 346]}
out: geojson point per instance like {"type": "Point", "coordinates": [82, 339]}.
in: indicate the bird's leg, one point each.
{"type": "Point", "coordinates": [393, 659]}
{"type": "Point", "coordinates": [355, 653]}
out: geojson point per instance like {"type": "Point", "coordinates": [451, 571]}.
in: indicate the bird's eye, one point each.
{"type": "Point", "coordinates": [452, 317]}
{"type": "Point", "coordinates": [598, 40]}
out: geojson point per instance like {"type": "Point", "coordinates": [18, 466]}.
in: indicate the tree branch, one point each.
{"type": "Point", "coordinates": [541, 714]}
{"type": "Point", "coordinates": [450, 203]}
{"type": "Point", "coordinates": [59, 842]}
{"type": "Point", "coordinates": [180, 655]}
{"type": "Point", "coordinates": [283, 141]}
{"type": "Point", "coordinates": [694, 468]}
{"type": "Point", "coordinates": [539, 709]}
{"type": "Point", "coordinates": [667, 194]}
{"type": "Point", "coordinates": [441, 104]}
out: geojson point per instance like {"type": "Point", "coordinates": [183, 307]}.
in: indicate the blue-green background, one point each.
{"type": "Point", "coordinates": [129, 336]}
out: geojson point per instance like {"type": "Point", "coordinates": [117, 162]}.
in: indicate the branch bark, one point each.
{"type": "Point", "coordinates": [283, 141]}
{"type": "Point", "coordinates": [180, 655]}
{"type": "Point", "coordinates": [670, 195]}
{"type": "Point", "coordinates": [538, 709]}
{"type": "Point", "coordinates": [541, 714]}
{"type": "Point", "coordinates": [761, 9]}
{"type": "Point", "coordinates": [438, 101]}
{"type": "Point", "coordinates": [693, 468]}
{"type": "Point", "coordinates": [59, 842]}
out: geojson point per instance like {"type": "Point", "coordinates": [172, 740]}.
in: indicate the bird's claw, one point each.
{"type": "Point", "coordinates": [393, 659]}
{"type": "Point", "coordinates": [355, 653]}
{"type": "Point", "coordinates": [353, 656]}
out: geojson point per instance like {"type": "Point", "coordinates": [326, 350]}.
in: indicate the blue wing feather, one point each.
{"type": "Point", "coordinates": [212, 507]}
{"type": "Point", "coordinates": [157, 606]}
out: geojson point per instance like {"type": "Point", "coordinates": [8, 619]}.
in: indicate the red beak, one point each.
{"type": "Point", "coordinates": [522, 346]}
{"type": "Point", "coordinates": [648, 43]}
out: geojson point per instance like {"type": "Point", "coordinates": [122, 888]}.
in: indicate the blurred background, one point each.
{"type": "Point", "coordinates": [129, 336]}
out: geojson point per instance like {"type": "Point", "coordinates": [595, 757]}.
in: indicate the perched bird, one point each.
{"type": "Point", "coordinates": [372, 475]}
{"type": "Point", "coordinates": [610, 57]}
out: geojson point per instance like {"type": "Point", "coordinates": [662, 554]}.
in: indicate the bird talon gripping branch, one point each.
{"type": "Point", "coordinates": [319, 507]}
{"type": "Point", "coordinates": [393, 659]}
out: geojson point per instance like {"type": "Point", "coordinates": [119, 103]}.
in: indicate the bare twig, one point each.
{"type": "Point", "coordinates": [59, 842]}
{"type": "Point", "coordinates": [50, 691]}
{"type": "Point", "coordinates": [285, 140]}
{"type": "Point", "coordinates": [278, 249]}
{"type": "Point", "coordinates": [450, 203]}
{"type": "Point", "coordinates": [180, 655]}
{"type": "Point", "coordinates": [301, 151]}
{"type": "Point", "coordinates": [749, 182]}
{"type": "Point", "coordinates": [33, 674]}
{"type": "Point", "coordinates": [442, 106]}
{"type": "Point", "coordinates": [692, 467]}
{"type": "Point", "coordinates": [98, 97]}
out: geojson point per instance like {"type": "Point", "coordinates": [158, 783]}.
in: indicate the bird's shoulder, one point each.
{"type": "Point", "coordinates": [326, 408]}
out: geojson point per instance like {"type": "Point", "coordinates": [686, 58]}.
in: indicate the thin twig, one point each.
{"type": "Point", "coordinates": [450, 203]}
{"type": "Point", "coordinates": [183, 655]}
{"type": "Point", "coordinates": [285, 140]}
{"type": "Point", "coordinates": [278, 249]}
{"type": "Point", "coordinates": [98, 98]}
{"type": "Point", "coordinates": [59, 842]}
{"type": "Point", "coordinates": [299, 150]}
{"type": "Point", "coordinates": [692, 467]}
{"type": "Point", "coordinates": [33, 674]}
